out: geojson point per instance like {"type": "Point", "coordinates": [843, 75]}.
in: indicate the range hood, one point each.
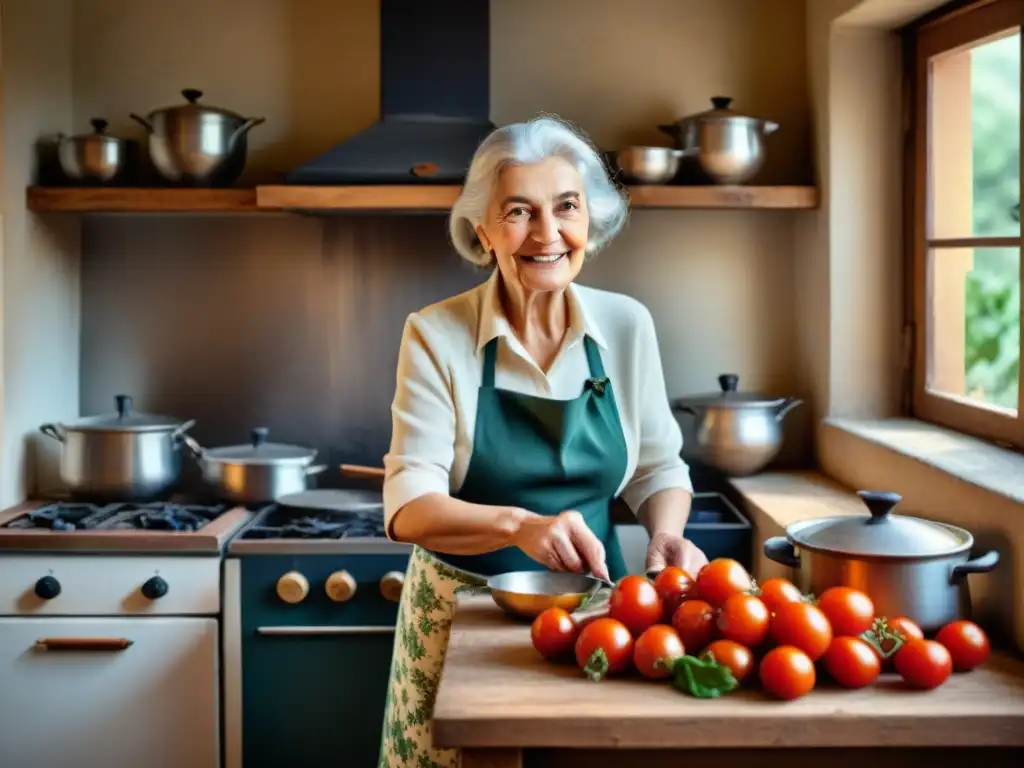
{"type": "Point", "coordinates": [435, 99]}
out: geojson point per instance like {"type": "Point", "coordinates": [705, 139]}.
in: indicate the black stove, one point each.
{"type": "Point", "coordinates": [287, 523]}
{"type": "Point", "coordinates": [70, 516]}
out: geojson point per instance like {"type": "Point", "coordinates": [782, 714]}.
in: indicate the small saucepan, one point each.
{"type": "Point", "coordinates": [257, 472]}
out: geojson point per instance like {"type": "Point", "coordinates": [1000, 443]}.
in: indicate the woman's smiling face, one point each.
{"type": "Point", "coordinates": [536, 225]}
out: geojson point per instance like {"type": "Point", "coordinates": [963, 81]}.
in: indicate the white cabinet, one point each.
{"type": "Point", "coordinates": [153, 704]}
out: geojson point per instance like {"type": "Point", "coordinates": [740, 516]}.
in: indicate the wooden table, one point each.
{"type": "Point", "coordinates": [506, 707]}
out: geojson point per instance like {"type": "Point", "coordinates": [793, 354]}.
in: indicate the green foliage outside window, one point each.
{"type": "Point", "coordinates": [992, 315]}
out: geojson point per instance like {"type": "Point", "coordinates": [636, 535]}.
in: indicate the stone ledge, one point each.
{"type": "Point", "coordinates": [976, 462]}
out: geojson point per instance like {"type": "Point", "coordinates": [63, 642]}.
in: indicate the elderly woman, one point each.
{"type": "Point", "coordinates": [523, 407]}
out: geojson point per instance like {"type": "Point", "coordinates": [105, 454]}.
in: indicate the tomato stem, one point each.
{"type": "Point", "coordinates": [884, 640]}
{"type": "Point", "coordinates": [597, 665]}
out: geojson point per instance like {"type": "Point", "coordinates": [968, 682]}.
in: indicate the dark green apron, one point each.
{"type": "Point", "coordinates": [546, 456]}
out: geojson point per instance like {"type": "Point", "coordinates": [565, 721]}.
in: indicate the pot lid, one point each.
{"type": "Point", "coordinates": [193, 106]}
{"type": "Point", "coordinates": [730, 397]}
{"type": "Point", "coordinates": [99, 132]}
{"type": "Point", "coordinates": [124, 419]}
{"type": "Point", "coordinates": [720, 111]}
{"type": "Point", "coordinates": [259, 451]}
{"type": "Point", "coordinates": [880, 533]}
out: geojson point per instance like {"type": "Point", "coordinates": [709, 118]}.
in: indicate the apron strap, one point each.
{"type": "Point", "coordinates": [490, 355]}
{"type": "Point", "coordinates": [593, 358]}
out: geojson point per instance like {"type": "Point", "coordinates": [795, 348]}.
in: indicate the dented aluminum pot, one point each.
{"type": "Point", "coordinates": [737, 433]}
{"type": "Point", "coordinates": [908, 566]}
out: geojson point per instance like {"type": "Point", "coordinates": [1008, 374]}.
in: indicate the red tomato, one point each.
{"type": "Point", "coordinates": [744, 618]}
{"type": "Point", "coordinates": [852, 662]}
{"type": "Point", "coordinates": [674, 585]}
{"type": "Point", "coordinates": [787, 672]}
{"type": "Point", "coordinates": [635, 602]}
{"type": "Point", "coordinates": [923, 663]}
{"type": "Point", "coordinates": [694, 620]}
{"type": "Point", "coordinates": [656, 650]}
{"type": "Point", "coordinates": [553, 633]}
{"type": "Point", "coordinates": [721, 579]}
{"type": "Point", "coordinates": [604, 647]}
{"type": "Point", "coordinates": [802, 625]}
{"type": "Point", "coordinates": [774, 592]}
{"type": "Point", "coordinates": [736, 657]}
{"type": "Point", "coordinates": [905, 628]}
{"type": "Point", "coordinates": [849, 611]}
{"type": "Point", "coordinates": [966, 642]}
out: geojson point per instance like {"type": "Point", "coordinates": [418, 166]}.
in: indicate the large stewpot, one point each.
{"type": "Point", "coordinates": [197, 144]}
{"type": "Point", "coordinates": [124, 456]}
{"type": "Point", "coordinates": [256, 472]}
{"type": "Point", "coordinates": [737, 433]}
{"type": "Point", "coordinates": [729, 147]}
{"type": "Point", "coordinates": [907, 566]}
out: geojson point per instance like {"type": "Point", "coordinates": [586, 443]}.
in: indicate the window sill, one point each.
{"type": "Point", "coordinates": [964, 458]}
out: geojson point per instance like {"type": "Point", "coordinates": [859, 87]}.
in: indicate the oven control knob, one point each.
{"type": "Point", "coordinates": [391, 585]}
{"type": "Point", "coordinates": [340, 586]}
{"type": "Point", "coordinates": [154, 588]}
{"type": "Point", "coordinates": [47, 588]}
{"type": "Point", "coordinates": [292, 587]}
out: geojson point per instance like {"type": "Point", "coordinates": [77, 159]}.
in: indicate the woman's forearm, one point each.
{"type": "Point", "coordinates": [666, 511]}
{"type": "Point", "coordinates": [441, 523]}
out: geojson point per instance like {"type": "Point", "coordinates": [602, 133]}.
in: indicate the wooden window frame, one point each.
{"type": "Point", "coordinates": [957, 25]}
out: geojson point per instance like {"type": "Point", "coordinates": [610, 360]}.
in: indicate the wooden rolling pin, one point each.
{"type": "Point", "coordinates": [357, 470]}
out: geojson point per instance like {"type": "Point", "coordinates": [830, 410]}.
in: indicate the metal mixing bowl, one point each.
{"type": "Point", "coordinates": [649, 165]}
{"type": "Point", "coordinates": [530, 593]}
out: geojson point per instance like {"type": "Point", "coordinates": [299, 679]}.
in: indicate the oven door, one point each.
{"type": "Point", "coordinates": [111, 692]}
{"type": "Point", "coordinates": [314, 695]}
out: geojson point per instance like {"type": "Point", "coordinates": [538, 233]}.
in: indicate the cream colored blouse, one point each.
{"type": "Point", "coordinates": [440, 370]}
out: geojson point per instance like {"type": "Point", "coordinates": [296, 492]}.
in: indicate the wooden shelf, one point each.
{"type": "Point", "coordinates": [360, 198]}
{"type": "Point", "coordinates": [376, 198]}
{"type": "Point", "coordinates": [141, 200]}
{"type": "Point", "coordinates": [793, 198]}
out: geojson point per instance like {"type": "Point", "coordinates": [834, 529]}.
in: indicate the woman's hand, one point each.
{"type": "Point", "coordinates": [668, 549]}
{"type": "Point", "coordinates": [562, 543]}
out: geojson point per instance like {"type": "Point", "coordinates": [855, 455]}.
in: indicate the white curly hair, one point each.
{"type": "Point", "coordinates": [533, 141]}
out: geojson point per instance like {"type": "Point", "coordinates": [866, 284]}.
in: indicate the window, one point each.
{"type": "Point", "coordinates": [963, 218]}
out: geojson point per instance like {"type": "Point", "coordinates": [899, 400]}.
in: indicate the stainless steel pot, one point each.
{"type": "Point", "coordinates": [196, 144]}
{"type": "Point", "coordinates": [729, 147]}
{"type": "Point", "coordinates": [94, 157]}
{"type": "Point", "coordinates": [907, 566]}
{"type": "Point", "coordinates": [257, 472]}
{"type": "Point", "coordinates": [649, 165]}
{"type": "Point", "coordinates": [124, 456]}
{"type": "Point", "coordinates": [737, 433]}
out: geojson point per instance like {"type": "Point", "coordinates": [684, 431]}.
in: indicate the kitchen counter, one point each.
{"type": "Point", "coordinates": [506, 706]}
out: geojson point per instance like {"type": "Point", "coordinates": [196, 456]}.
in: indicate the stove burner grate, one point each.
{"type": "Point", "coordinates": [155, 516]}
{"type": "Point", "coordinates": [318, 524]}
{"type": "Point", "coordinates": [64, 516]}
{"type": "Point", "coordinates": [178, 518]}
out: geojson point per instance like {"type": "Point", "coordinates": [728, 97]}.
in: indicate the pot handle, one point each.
{"type": "Point", "coordinates": [787, 405]}
{"type": "Point", "coordinates": [53, 430]}
{"type": "Point", "coordinates": [316, 469]}
{"type": "Point", "coordinates": [983, 564]}
{"type": "Point", "coordinates": [178, 435]}
{"type": "Point", "coordinates": [780, 549]}
{"type": "Point", "coordinates": [142, 121]}
{"type": "Point", "coordinates": [193, 447]}
{"type": "Point", "coordinates": [244, 128]}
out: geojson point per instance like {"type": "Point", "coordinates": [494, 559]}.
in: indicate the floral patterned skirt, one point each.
{"type": "Point", "coordinates": [421, 639]}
